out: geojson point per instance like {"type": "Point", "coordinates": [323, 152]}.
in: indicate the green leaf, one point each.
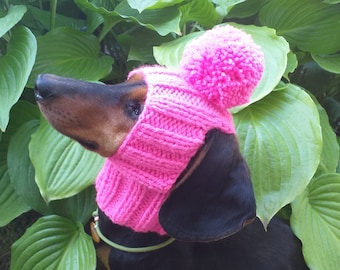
{"type": "Point", "coordinates": [21, 113]}
{"type": "Point", "coordinates": [94, 19]}
{"type": "Point", "coordinates": [44, 18]}
{"type": "Point", "coordinates": [315, 220]}
{"type": "Point", "coordinates": [329, 62]}
{"type": "Point", "coordinates": [100, 11]}
{"type": "Point", "coordinates": [70, 53]}
{"type": "Point", "coordinates": [11, 205]}
{"type": "Point", "coordinates": [11, 202]}
{"type": "Point", "coordinates": [142, 42]}
{"type": "Point", "coordinates": [24, 121]}
{"type": "Point", "coordinates": [21, 169]}
{"type": "Point", "coordinates": [170, 53]}
{"type": "Point", "coordinates": [277, 134]}
{"type": "Point", "coordinates": [338, 168]}
{"type": "Point", "coordinates": [104, 7]}
{"type": "Point", "coordinates": [164, 21]}
{"type": "Point", "coordinates": [331, 1]}
{"type": "Point", "coordinates": [15, 68]}
{"type": "Point", "coordinates": [78, 208]}
{"type": "Point", "coordinates": [246, 9]}
{"type": "Point", "coordinates": [54, 242]}
{"type": "Point", "coordinates": [152, 4]}
{"type": "Point", "coordinates": [275, 50]}
{"type": "Point", "coordinates": [68, 167]}
{"type": "Point", "coordinates": [330, 148]}
{"type": "Point", "coordinates": [200, 11]}
{"type": "Point", "coordinates": [14, 15]}
{"type": "Point", "coordinates": [307, 24]}
{"type": "Point", "coordinates": [224, 6]}
{"type": "Point", "coordinates": [292, 64]}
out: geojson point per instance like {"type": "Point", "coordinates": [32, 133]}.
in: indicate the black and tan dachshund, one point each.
{"type": "Point", "coordinates": [211, 211]}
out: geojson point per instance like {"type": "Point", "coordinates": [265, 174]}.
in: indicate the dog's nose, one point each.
{"type": "Point", "coordinates": [43, 88]}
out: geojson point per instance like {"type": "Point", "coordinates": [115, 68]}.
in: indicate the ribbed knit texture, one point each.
{"type": "Point", "coordinates": [218, 71]}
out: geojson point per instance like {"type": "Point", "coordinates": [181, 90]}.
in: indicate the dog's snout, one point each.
{"type": "Point", "coordinates": [43, 89]}
{"type": "Point", "coordinates": [42, 94]}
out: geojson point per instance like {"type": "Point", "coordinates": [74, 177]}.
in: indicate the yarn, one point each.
{"type": "Point", "coordinates": [224, 64]}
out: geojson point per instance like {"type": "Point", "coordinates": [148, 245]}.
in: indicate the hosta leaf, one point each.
{"type": "Point", "coordinates": [338, 168]}
{"type": "Point", "coordinates": [43, 17]}
{"type": "Point", "coordinates": [329, 62]}
{"type": "Point", "coordinates": [21, 113]}
{"type": "Point", "coordinates": [70, 53]}
{"type": "Point", "coordinates": [246, 8]}
{"type": "Point", "coordinates": [292, 64]}
{"type": "Point", "coordinates": [309, 25]}
{"type": "Point", "coordinates": [68, 167]}
{"type": "Point", "coordinates": [170, 53]}
{"type": "Point", "coordinates": [223, 7]}
{"type": "Point", "coordinates": [11, 205]}
{"type": "Point", "coordinates": [274, 48]}
{"type": "Point", "coordinates": [200, 11]}
{"type": "Point", "coordinates": [315, 220]}
{"type": "Point", "coordinates": [331, 1]}
{"type": "Point", "coordinates": [94, 19]}
{"type": "Point", "coordinates": [104, 7]}
{"type": "Point", "coordinates": [152, 4]}
{"type": "Point", "coordinates": [15, 68]}
{"type": "Point", "coordinates": [330, 148]}
{"type": "Point", "coordinates": [164, 21]}
{"type": "Point", "coordinates": [78, 208]}
{"type": "Point", "coordinates": [276, 142]}
{"type": "Point", "coordinates": [54, 242]}
{"type": "Point", "coordinates": [14, 15]}
{"type": "Point", "coordinates": [21, 169]}
{"type": "Point", "coordinates": [141, 47]}
{"type": "Point", "coordinates": [98, 12]}
{"type": "Point", "coordinates": [24, 120]}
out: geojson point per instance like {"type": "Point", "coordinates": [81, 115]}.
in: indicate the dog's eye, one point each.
{"type": "Point", "coordinates": [134, 109]}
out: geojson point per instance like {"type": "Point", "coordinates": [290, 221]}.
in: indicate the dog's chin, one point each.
{"type": "Point", "coordinates": [94, 146]}
{"type": "Point", "coordinates": [88, 144]}
{"type": "Point", "coordinates": [97, 142]}
{"type": "Point", "coordinates": [91, 145]}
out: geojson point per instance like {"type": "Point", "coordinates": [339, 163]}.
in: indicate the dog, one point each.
{"type": "Point", "coordinates": [209, 217]}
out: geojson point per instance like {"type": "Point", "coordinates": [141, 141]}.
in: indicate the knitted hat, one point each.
{"type": "Point", "coordinates": [218, 71]}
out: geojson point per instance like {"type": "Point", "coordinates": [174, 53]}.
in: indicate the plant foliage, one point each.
{"type": "Point", "coordinates": [288, 132]}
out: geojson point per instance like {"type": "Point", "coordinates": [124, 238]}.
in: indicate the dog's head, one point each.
{"type": "Point", "coordinates": [173, 163]}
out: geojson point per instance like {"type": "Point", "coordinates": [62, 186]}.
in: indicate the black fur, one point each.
{"type": "Point", "coordinates": [216, 200]}
{"type": "Point", "coordinates": [250, 249]}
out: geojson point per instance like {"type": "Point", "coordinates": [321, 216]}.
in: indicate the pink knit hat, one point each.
{"type": "Point", "coordinates": [218, 71]}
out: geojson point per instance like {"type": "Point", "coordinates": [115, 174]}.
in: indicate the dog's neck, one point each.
{"type": "Point", "coordinates": [126, 237]}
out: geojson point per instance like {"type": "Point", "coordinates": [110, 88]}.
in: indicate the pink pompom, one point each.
{"type": "Point", "coordinates": [224, 64]}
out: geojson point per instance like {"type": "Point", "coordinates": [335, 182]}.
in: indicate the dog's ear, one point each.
{"type": "Point", "coordinates": [216, 200]}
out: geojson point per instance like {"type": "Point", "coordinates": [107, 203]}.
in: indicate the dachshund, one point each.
{"type": "Point", "coordinates": [210, 214]}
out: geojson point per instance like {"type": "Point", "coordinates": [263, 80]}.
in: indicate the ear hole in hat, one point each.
{"type": "Point", "coordinates": [216, 200]}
